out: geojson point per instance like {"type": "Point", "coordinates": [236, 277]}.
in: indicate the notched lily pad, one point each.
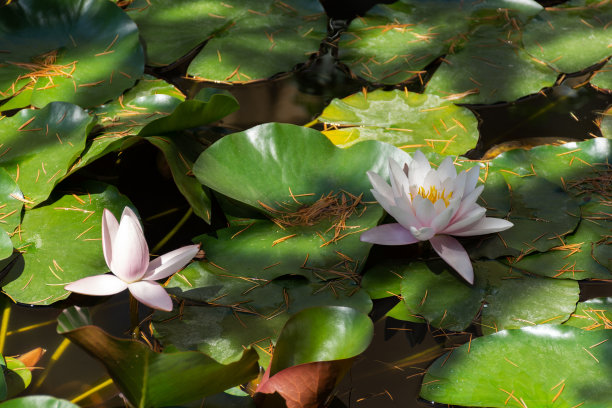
{"type": "Point", "coordinates": [407, 120]}
{"type": "Point", "coordinates": [59, 243]}
{"type": "Point", "coordinates": [55, 138]}
{"type": "Point", "coordinates": [84, 52]}
{"type": "Point", "coordinates": [593, 314]}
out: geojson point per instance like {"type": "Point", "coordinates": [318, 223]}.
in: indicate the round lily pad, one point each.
{"type": "Point", "coordinates": [83, 51]}
{"type": "Point", "coordinates": [538, 366]}
{"type": "Point", "coordinates": [262, 44]}
{"type": "Point", "coordinates": [405, 119]}
{"type": "Point", "coordinates": [602, 79]}
{"type": "Point", "coordinates": [490, 68]}
{"type": "Point", "coordinates": [11, 202]}
{"type": "Point", "coordinates": [40, 145]}
{"type": "Point", "coordinates": [60, 243]}
{"type": "Point", "coordinates": [166, 41]}
{"type": "Point", "coordinates": [557, 35]}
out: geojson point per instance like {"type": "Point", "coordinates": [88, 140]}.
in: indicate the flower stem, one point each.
{"type": "Point", "coordinates": [173, 231]}
{"type": "Point", "coordinates": [134, 322]}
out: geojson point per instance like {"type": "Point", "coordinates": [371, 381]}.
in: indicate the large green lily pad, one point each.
{"type": "Point", "coordinates": [407, 120]}
{"type": "Point", "coordinates": [85, 52]}
{"type": "Point", "coordinates": [38, 401]}
{"type": "Point", "coordinates": [60, 243]}
{"type": "Point", "coordinates": [150, 379]}
{"type": "Point", "coordinates": [511, 299]}
{"type": "Point", "coordinates": [394, 43]}
{"type": "Point", "coordinates": [557, 35]}
{"type": "Point", "coordinates": [171, 29]}
{"type": "Point", "coordinates": [10, 211]}
{"type": "Point", "coordinates": [540, 366]}
{"type": "Point", "coordinates": [262, 44]}
{"type": "Point", "coordinates": [270, 163]}
{"type": "Point", "coordinates": [490, 68]}
{"type": "Point", "coordinates": [40, 145]}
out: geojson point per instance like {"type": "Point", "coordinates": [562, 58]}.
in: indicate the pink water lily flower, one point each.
{"type": "Point", "coordinates": [127, 255]}
{"type": "Point", "coordinates": [432, 205]}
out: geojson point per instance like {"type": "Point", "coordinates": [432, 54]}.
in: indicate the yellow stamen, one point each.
{"type": "Point", "coordinates": [433, 195]}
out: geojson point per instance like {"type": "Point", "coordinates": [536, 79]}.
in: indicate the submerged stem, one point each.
{"type": "Point", "coordinates": [134, 323]}
{"type": "Point", "coordinates": [173, 231]}
{"type": "Point", "coordinates": [6, 314]}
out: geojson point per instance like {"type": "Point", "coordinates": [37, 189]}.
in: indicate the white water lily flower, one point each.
{"type": "Point", "coordinates": [431, 205]}
{"type": "Point", "coordinates": [127, 255]}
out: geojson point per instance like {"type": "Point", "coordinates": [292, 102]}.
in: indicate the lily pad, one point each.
{"type": "Point", "coordinates": [556, 35]}
{"type": "Point", "coordinates": [602, 79]}
{"type": "Point", "coordinates": [271, 163]}
{"type": "Point", "coordinates": [593, 314]}
{"type": "Point", "coordinates": [55, 138]}
{"type": "Point", "coordinates": [166, 41]}
{"type": "Point", "coordinates": [60, 243]}
{"type": "Point", "coordinates": [394, 43]}
{"type": "Point", "coordinates": [18, 376]}
{"type": "Point", "coordinates": [490, 68]}
{"type": "Point", "coordinates": [150, 379]}
{"type": "Point", "coordinates": [38, 401]}
{"type": "Point", "coordinates": [305, 338]}
{"type": "Point", "coordinates": [544, 365]}
{"type": "Point", "coordinates": [606, 124]}
{"type": "Point", "coordinates": [261, 45]}
{"type": "Point", "coordinates": [86, 59]}
{"type": "Point", "coordinates": [407, 120]}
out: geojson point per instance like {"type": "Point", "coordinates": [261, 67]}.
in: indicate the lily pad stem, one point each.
{"type": "Point", "coordinates": [134, 323]}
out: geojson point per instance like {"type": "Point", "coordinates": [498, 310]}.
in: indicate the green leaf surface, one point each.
{"type": "Point", "coordinates": [18, 377]}
{"type": "Point", "coordinates": [511, 298]}
{"type": "Point", "coordinates": [60, 243]}
{"type": "Point", "coordinates": [490, 68]}
{"type": "Point", "coordinates": [261, 45]}
{"type": "Point", "coordinates": [557, 35]}
{"type": "Point", "coordinates": [10, 202]}
{"type": "Point", "coordinates": [85, 51]}
{"type": "Point", "coordinates": [150, 379]}
{"type": "Point", "coordinates": [266, 250]}
{"type": "Point", "coordinates": [271, 162]}
{"type": "Point", "coordinates": [606, 124]}
{"type": "Point", "coordinates": [593, 314]}
{"type": "Point", "coordinates": [307, 337]}
{"type": "Point", "coordinates": [3, 385]}
{"type": "Point", "coordinates": [404, 119]}
{"type": "Point", "coordinates": [38, 401]}
{"type": "Point", "coordinates": [602, 79]}
{"type": "Point", "coordinates": [39, 146]}
{"type": "Point", "coordinates": [540, 366]}
{"type": "Point", "coordinates": [167, 40]}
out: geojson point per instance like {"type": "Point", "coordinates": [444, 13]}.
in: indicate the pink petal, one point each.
{"type": "Point", "coordinates": [468, 204]}
{"type": "Point", "coordinates": [130, 256]}
{"type": "Point", "coordinates": [97, 285]}
{"type": "Point", "coordinates": [151, 294]}
{"type": "Point", "coordinates": [487, 225]}
{"type": "Point", "coordinates": [109, 231]}
{"type": "Point", "coordinates": [423, 233]}
{"type": "Point", "coordinates": [443, 218]}
{"type": "Point", "coordinates": [388, 234]}
{"type": "Point", "coordinates": [418, 168]}
{"type": "Point", "coordinates": [383, 201]}
{"type": "Point", "coordinates": [403, 213]}
{"type": "Point", "coordinates": [454, 254]}
{"type": "Point", "coordinates": [471, 180]}
{"type": "Point", "coordinates": [424, 210]}
{"type": "Point", "coordinates": [167, 264]}
{"type": "Point", "coordinates": [399, 181]}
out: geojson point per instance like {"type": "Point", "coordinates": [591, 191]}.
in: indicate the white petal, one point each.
{"type": "Point", "coordinates": [454, 254]}
{"type": "Point", "coordinates": [109, 232]}
{"type": "Point", "coordinates": [383, 201]}
{"type": "Point", "coordinates": [97, 285]}
{"type": "Point", "coordinates": [403, 212]}
{"type": "Point", "coordinates": [487, 225]}
{"type": "Point", "coordinates": [468, 204]}
{"type": "Point", "coordinates": [447, 169]}
{"type": "Point", "coordinates": [399, 181]}
{"type": "Point", "coordinates": [167, 264]}
{"type": "Point", "coordinates": [424, 210]}
{"type": "Point", "coordinates": [151, 294]}
{"type": "Point", "coordinates": [130, 250]}
{"type": "Point", "coordinates": [423, 234]}
{"type": "Point", "coordinates": [458, 186]}
{"type": "Point", "coordinates": [418, 168]}
{"type": "Point", "coordinates": [471, 179]}
{"type": "Point", "coordinates": [465, 222]}
{"type": "Point", "coordinates": [441, 221]}
{"type": "Point", "coordinates": [388, 234]}
{"type": "Point", "coordinates": [380, 186]}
